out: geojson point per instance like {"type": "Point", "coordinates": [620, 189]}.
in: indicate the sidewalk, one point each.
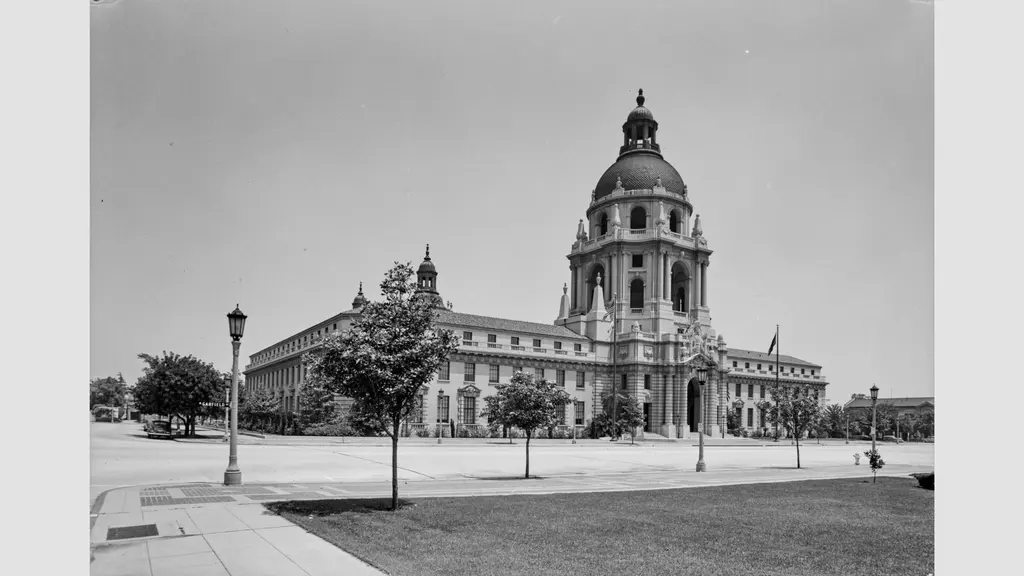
{"type": "Point", "coordinates": [212, 529]}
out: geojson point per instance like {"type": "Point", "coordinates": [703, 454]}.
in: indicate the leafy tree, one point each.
{"type": "Point", "coordinates": [177, 386]}
{"type": "Point", "coordinates": [494, 412]}
{"type": "Point", "coordinates": [107, 391]}
{"type": "Point", "coordinates": [528, 404]}
{"type": "Point", "coordinates": [632, 416]}
{"type": "Point", "coordinates": [876, 463]}
{"type": "Point", "coordinates": [391, 350]}
{"type": "Point", "coordinates": [316, 404]}
{"type": "Point", "coordinates": [834, 420]}
{"type": "Point", "coordinates": [793, 408]}
{"type": "Point", "coordinates": [258, 410]}
{"type": "Point", "coordinates": [926, 424]}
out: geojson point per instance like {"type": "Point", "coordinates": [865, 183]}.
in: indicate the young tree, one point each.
{"type": "Point", "coordinates": [494, 412]}
{"type": "Point", "coordinates": [107, 391]}
{"type": "Point", "coordinates": [177, 385]}
{"type": "Point", "coordinates": [793, 408]}
{"type": "Point", "coordinates": [607, 423]}
{"type": "Point", "coordinates": [392, 349]}
{"type": "Point", "coordinates": [529, 405]}
{"type": "Point", "coordinates": [876, 463]}
{"type": "Point", "coordinates": [632, 416]}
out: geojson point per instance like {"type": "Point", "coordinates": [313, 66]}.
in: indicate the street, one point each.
{"type": "Point", "coordinates": [121, 455]}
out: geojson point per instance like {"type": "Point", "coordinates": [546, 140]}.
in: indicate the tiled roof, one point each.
{"type": "Point", "coordinates": [639, 170]}
{"type": "Point", "coordinates": [446, 316]}
{"type": "Point", "coordinates": [911, 402]}
{"type": "Point", "coordinates": [736, 353]}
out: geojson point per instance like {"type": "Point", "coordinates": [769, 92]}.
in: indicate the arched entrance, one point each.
{"type": "Point", "coordinates": [693, 402]}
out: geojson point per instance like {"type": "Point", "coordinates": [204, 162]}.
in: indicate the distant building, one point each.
{"type": "Point", "coordinates": [634, 316]}
{"type": "Point", "coordinates": [916, 406]}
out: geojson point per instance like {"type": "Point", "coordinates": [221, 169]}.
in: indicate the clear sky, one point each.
{"type": "Point", "coordinates": [275, 154]}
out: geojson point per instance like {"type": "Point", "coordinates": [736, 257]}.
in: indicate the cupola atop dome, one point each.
{"type": "Point", "coordinates": [426, 281]}
{"type": "Point", "coordinates": [640, 165]}
{"type": "Point", "coordinates": [360, 300]}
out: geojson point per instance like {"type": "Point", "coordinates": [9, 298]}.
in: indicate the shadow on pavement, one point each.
{"type": "Point", "coordinates": [328, 507]}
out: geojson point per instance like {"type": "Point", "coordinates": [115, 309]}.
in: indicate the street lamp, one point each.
{"type": "Point", "coordinates": [874, 398]}
{"type": "Point", "coordinates": [575, 405]}
{"type": "Point", "coordinates": [227, 403]}
{"type": "Point", "coordinates": [847, 428]}
{"type": "Point", "coordinates": [702, 378]}
{"type": "Point", "coordinates": [236, 325]}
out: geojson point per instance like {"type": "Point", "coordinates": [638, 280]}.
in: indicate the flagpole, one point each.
{"type": "Point", "coordinates": [778, 368]}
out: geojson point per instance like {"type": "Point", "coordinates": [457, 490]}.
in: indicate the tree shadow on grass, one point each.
{"type": "Point", "coordinates": [506, 478]}
{"type": "Point", "coordinates": [329, 507]}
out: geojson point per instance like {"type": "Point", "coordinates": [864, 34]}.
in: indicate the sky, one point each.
{"type": "Point", "coordinates": [275, 154]}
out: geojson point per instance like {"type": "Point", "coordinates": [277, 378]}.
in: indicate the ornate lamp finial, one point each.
{"type": "Point", "coordinates": [428, 252]}
{"type": "Point", "coordinates": [565, 288]}
{"type": "Point", "coordinates": [640, 98]}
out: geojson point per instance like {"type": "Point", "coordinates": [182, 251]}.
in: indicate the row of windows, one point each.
{"type": "Point", "coordinates": [295, 344]}
{"type": "Point", "coordinates": [537, 342]}
{"type": "Point", "coordinates": [638, 221]}
{"type": "Point", "coordinates": [771, 368]}
{"type": "Point", "coordinates": [750, 391]}
{"type": "Point", "coordinates": [469, 374]}
{"type": "Point", "coordinates": [750, 418]}
{"type": "Point", "coordinates": [468, 411]}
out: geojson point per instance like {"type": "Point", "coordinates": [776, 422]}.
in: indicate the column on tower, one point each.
{"type": "Point", "coordinates": [572, 272]}
{"type": "Point", "coordinates": [581, 288]}
{"type": "Point", "coordinates": [666, 278]}
{"type": "Point", "coordinates": [609, 282]}
{"type": "Point", "coordinates": [704, 283]}
{"type": "Point", "coordinates": [698, 293]}
{"type": "Point", "coordinates": [655, 256]}
{"type": "Point", "coordinates": [612, 277]}
{"type": "Point", "coordinates": [669, 421]}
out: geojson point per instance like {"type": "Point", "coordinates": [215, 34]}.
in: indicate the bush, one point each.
{"type": "Point", "coordinates": [445, 432]}
{"type": "Point", "coordinates": [422, 431]}
{"type": "Point", "coordinates": [925, 480]}
{"type": "Point", "coordinates": [757, 434]}
{"type": "Point", "coordinates": [330, 429]}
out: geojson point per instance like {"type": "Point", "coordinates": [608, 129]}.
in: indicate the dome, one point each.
{"type": "Point", "coordinates": [640, 170]}
{"type": "Point", "coordinates": [427, 266]}
{"type": "Point", "coordinates": [640, 113]}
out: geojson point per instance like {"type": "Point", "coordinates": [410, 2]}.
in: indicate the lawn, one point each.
{"type": "Point", "coordinates": [812, 528]}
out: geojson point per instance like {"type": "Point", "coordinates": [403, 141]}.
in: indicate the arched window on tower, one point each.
{"type": "Point", "coordinates": [638, 218]}
{"type": "Point", "coordinates": [603, 225]}
{"type": "Point", "coordinates": [673, 221]}
{"type": "Point", "coordinates": [636, 294]}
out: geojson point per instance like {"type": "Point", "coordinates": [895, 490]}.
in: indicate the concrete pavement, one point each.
{"type": "Point", "coordinates": [206, 528]}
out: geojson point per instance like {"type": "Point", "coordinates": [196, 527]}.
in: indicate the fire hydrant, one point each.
{"type": "Point", "coordinates": [856, 459]}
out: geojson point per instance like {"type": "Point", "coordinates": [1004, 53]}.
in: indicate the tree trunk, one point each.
{"type": "Point", "coordinates": [394, 468]}
{"type": "Point", "coordinates": [527, 455]}
{"type": "Point", "coordinates": [797, 436]}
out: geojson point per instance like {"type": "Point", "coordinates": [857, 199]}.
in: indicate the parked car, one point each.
{"type": "Point", "coordinates": [159, 429]}
{"type": "Point", "coordinates": [891, 439]}
{"type": "Point", "coordinates": [864, 437]}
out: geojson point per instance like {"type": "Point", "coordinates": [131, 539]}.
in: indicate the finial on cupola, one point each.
{"type": "Point", "coordinates": [565, 288]}
{"type": "Point", "coordinates": [581, 231]}
{"type": "Point", "coordinates": [640, 98]}
{"type": "Point", "coordinates": [427, 257]}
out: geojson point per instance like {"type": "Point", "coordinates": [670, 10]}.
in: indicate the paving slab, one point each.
{"type": "Point", "coordinates": [256, 516]}
{"type": "Point", "coordinates": [131, 559]}
{"type": "Point", "coordinates": [314, 555]}
{"type": "Point", "coordinates": [176, 515]}
{"type": "Point", "coordinates": [247, 553]}
{"type": "Point", "coordinates": [166, 547]}
{"type": "Point", "coordinates": [184, 563]}
{"type": "Point", "coordinates": [213, 519]}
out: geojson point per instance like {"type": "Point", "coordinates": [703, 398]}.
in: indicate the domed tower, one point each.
{"type": "Point", "coordinates": [426, 281]}
{"type": "Point", "coordinates": [360, 300]}
{"type": "Point", "coordinates": [639, 281]}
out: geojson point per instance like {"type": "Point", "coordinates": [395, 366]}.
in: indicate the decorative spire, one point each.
{"type": "Point", "coordinates": [565, 288]}
{"type": "Point", "coordinates": [360, 300]}
{"type": "Point", "coordinates": [697, 231]}
{"type": "Point", "coordinates": [581, 231]}
{"type": "Point", "coordinates": [427, 257]}
{"type": "Point", "coordinates": [640, 98]}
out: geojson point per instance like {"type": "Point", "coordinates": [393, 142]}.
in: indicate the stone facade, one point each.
{"type": "Point", "coordinates": [634, 313]}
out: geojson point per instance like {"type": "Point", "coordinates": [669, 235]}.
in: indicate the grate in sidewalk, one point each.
{"type": "Point", "coordinates": [126, 532]}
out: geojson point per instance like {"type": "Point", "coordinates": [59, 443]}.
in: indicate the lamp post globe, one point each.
{"type": "Point", "coordinates": [236, 327]}
{"type": "Point", "coordinates": [702, 379]}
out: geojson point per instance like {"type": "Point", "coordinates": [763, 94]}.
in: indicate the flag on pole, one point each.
{"type": "Point", "coordinates": [772, 347]}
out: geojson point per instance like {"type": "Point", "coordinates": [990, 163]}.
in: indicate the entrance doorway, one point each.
{"type": "Point", "coordinates": [647, 417]}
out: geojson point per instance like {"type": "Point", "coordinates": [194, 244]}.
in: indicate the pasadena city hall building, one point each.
{"type": "Point", "coordinates": [634, 316]}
